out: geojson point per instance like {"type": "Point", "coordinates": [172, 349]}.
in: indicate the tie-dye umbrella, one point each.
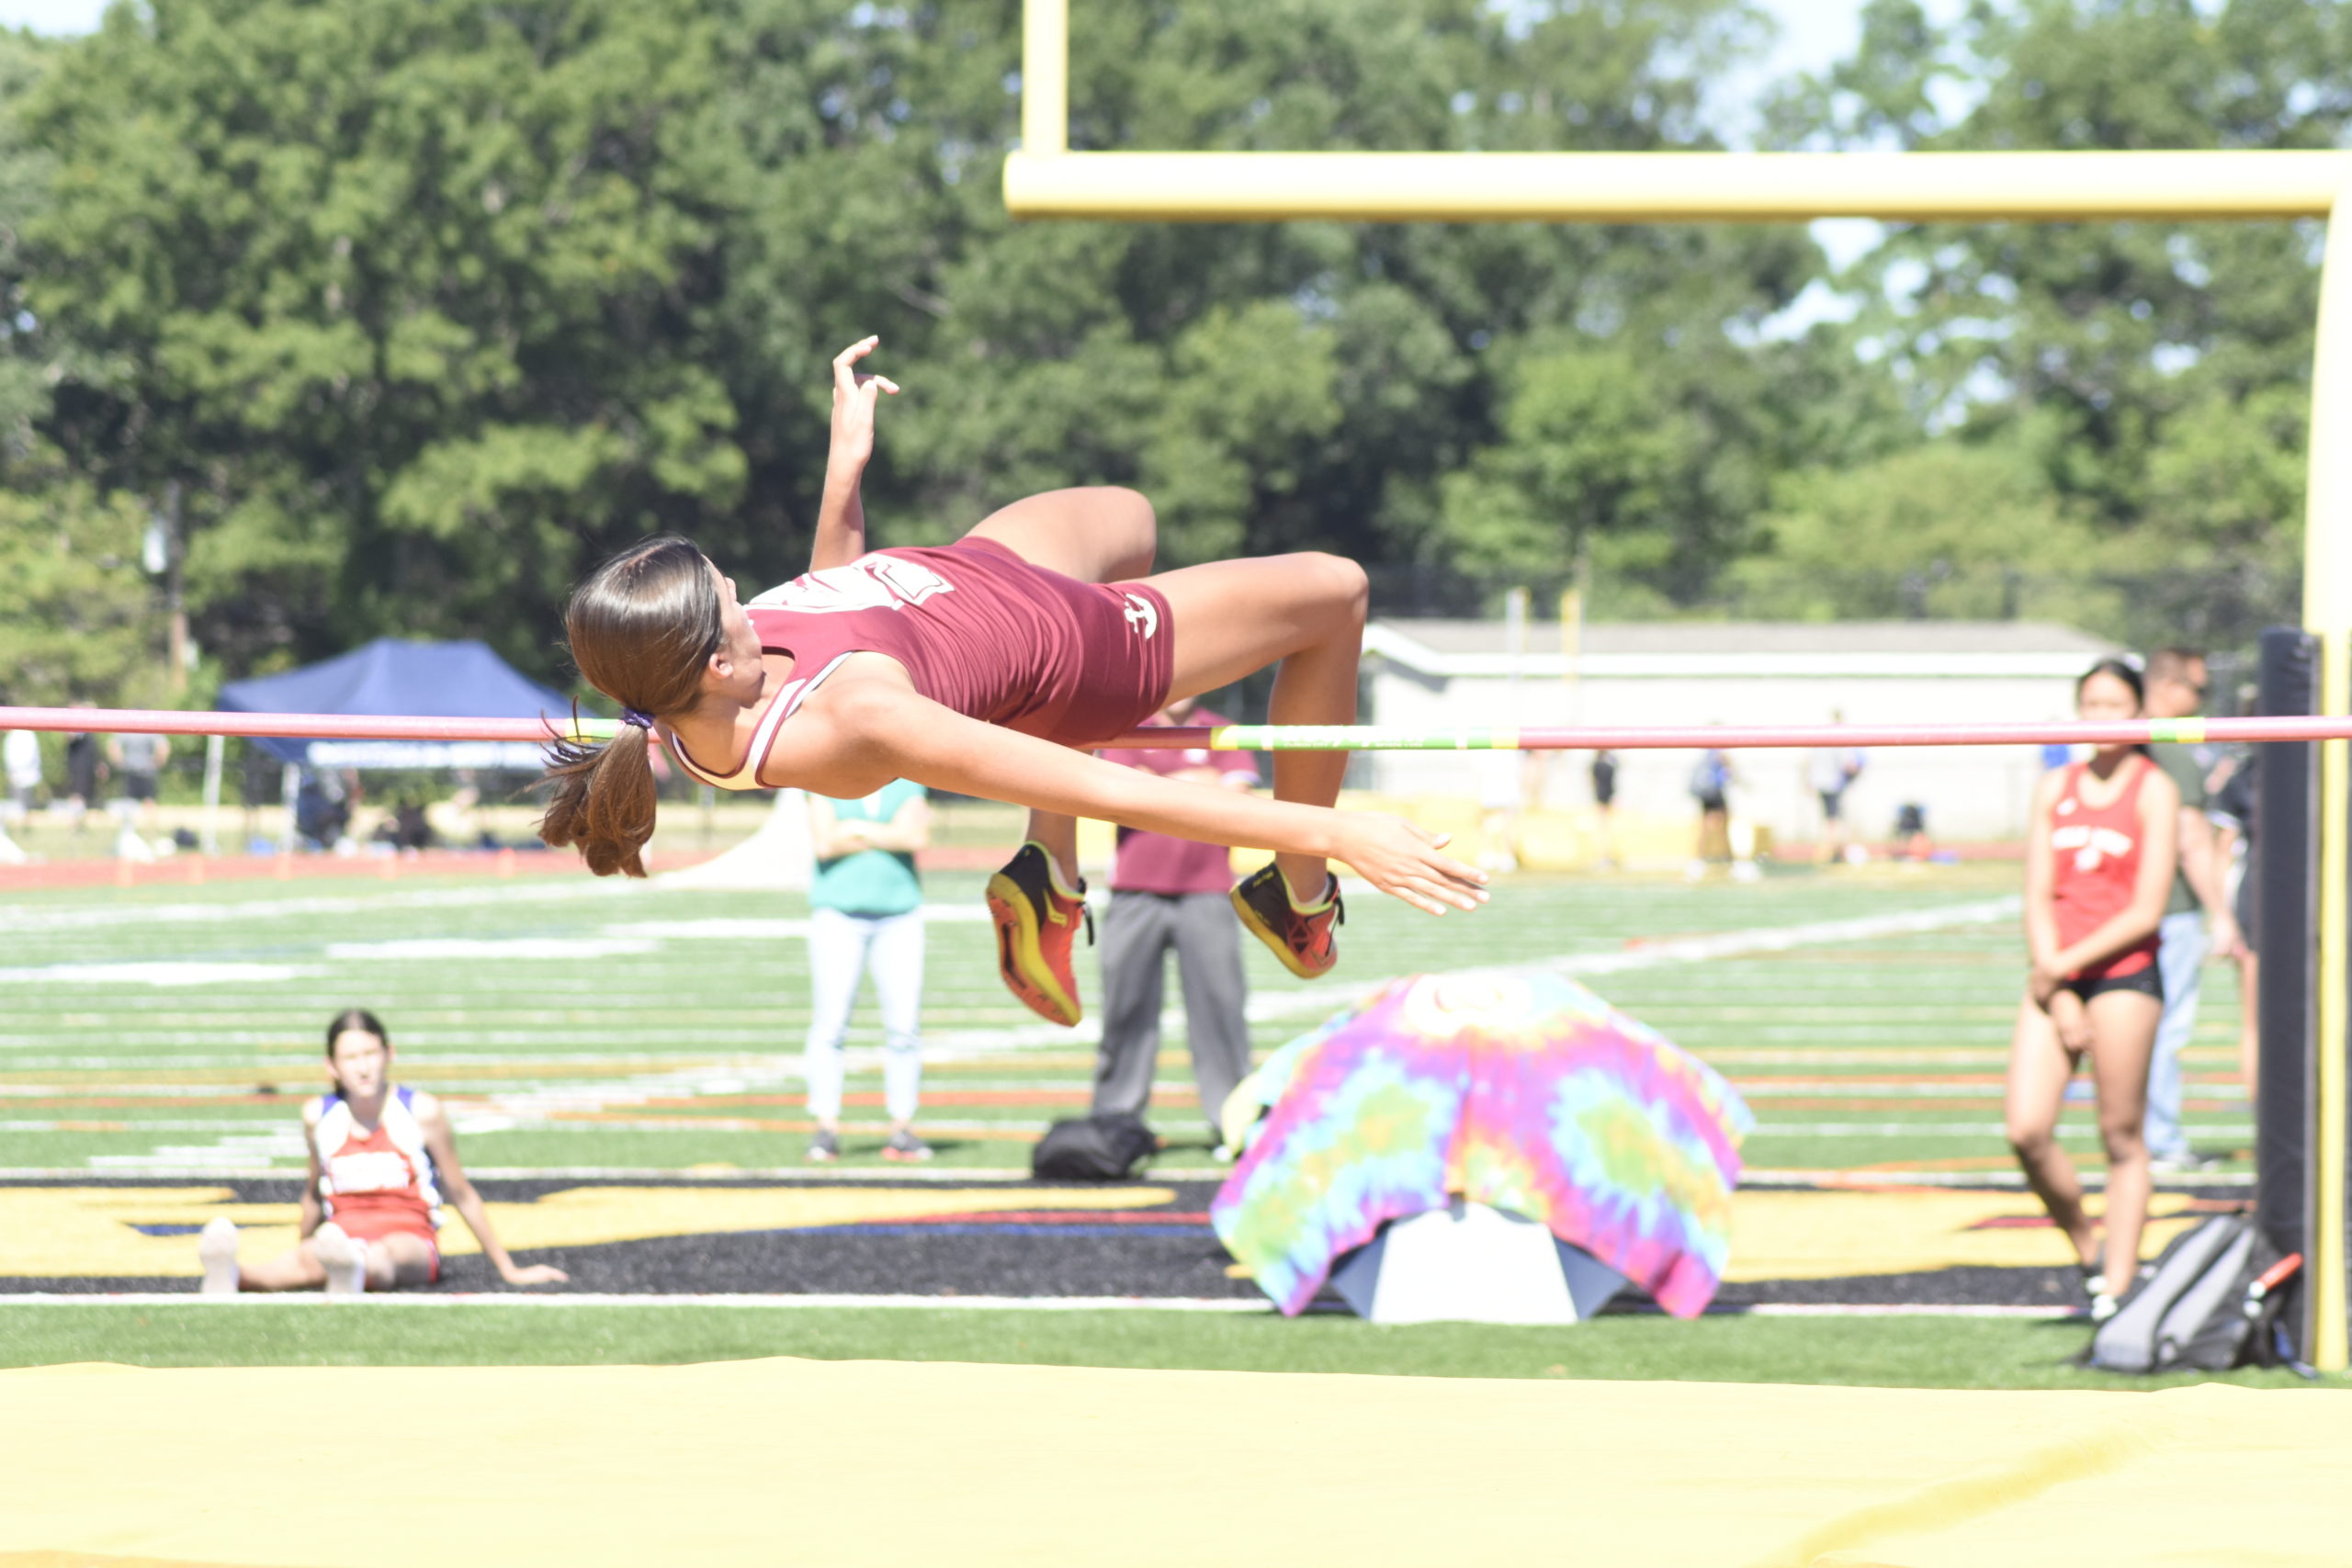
{"type": "Point", "coordinates": [1529, 1095]}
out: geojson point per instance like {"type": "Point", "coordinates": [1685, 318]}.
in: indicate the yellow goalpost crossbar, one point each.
{"type": "Point", "coordinates": [1044, 179]}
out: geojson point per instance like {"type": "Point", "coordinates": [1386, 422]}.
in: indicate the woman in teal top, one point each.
{"type": "Point", "coordinates": [865, 913]}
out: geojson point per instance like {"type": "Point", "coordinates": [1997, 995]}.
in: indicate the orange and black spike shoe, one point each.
{"type": "Point", "coordinates": [1036, 926]}
{"type": "Point", "coordinates": [1302, 939]}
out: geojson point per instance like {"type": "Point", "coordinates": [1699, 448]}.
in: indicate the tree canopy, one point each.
{"type": "Point", "coordinates": [420, 306]}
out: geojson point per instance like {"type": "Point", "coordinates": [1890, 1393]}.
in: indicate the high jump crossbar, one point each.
{"type": "Point", "coordinates": [1250, 737]}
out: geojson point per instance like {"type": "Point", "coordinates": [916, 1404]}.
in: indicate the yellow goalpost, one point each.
{"type": "Point", "coordinates": [1044, 179]}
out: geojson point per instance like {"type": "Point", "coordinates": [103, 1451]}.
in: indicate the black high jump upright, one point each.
{"type": "Point", "coordinates": [2285, 839]}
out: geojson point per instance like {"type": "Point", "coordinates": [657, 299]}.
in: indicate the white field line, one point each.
{"type": "Point", "coordinates": [1238, 1307]}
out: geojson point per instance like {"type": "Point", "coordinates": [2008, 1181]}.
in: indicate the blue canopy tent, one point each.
{"type": "Point", "coordinates": [389, 676]}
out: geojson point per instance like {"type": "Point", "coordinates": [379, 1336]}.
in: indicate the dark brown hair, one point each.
{"type": "Point", "coordinates": [2122, 669]}
{"type": "Point", "coordinates": [642, 627]}
{"type": "Point", "coordinates": [359, 1018]}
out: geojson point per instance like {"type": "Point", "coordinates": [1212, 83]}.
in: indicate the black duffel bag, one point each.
{"type": "Point", "coordinates": [1093, 1148]}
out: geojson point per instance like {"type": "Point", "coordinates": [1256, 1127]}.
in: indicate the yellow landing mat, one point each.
{"type": "Point", "coordinates": [879, 1464]}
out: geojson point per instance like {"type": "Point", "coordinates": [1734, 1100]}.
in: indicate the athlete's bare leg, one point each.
{"type": "Point", "coordinates": [397, 1259]}
{"type": "Point", "coordinates": [295, 1270]}
{"type": "Point", "coordinates": [2123, 1036]}
{"type": "Point", "coordinates": [2039, 1068]}
{"type": "Point", "coordinates": [1095, 533]}
{"type": "Point", "coordinates": [1235, 617]}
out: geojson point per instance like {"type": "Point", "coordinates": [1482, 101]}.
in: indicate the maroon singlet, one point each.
{"type": "Point", "coordinates": [978, 630]}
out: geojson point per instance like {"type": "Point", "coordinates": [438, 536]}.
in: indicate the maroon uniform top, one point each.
{"type": "Point", "coordinates": [1155, 862]}
{"type": "Point", "coordinates": [978, 630]}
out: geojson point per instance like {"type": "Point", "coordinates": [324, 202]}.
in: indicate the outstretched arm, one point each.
{"type": "Point", "coordinates": [841, 515]}
{"type": "Point", "coordinates": [443, 1145]}
{"type": "Point", "coordinates": [890, 729]}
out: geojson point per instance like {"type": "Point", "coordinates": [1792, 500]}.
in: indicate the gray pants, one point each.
{"type": "Point", "coordinates": [2182, 960]}
{"type": "Point", "coordinates": [1138, 930]}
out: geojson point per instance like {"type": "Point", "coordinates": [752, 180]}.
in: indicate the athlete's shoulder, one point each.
{"type": "Point", "coordinates": [2158, 789]}
{"type": "Point", "coordinates": [315, 1109]}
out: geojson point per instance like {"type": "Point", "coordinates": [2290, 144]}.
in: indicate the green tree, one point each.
{"type": "Point", "coordinates": [2157, 374]}
{"type": "Point", "coordinates": [407, 296]}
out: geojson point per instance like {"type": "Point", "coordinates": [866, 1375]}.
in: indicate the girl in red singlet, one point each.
{"type": "Point", "coordinates": [2099, 862]}
{"type": "Point", "coordinates": [381, 1158]}
{"type": "Point", "coordinates": [991, 667]}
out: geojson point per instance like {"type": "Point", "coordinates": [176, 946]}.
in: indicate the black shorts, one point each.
{"type": "Point", "coordinates": [1833, 803]}
{"type": "Point", "coordinates": [1708, 805]}
{"type": "Point", "coordinates": [139, 786]}
{"type": "Point", "coordinates": [2148, 982]}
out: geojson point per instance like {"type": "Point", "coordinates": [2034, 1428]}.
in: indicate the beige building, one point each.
{"type": "Point", "coordinates": [1446, 672]}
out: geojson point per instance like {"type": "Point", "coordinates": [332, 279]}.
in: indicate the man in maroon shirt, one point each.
{"type": "Point", "coordinates": [1167, 893]}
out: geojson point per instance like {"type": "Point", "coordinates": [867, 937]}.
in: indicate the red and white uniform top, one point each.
{"type": "Point", "coordinates": [380, 1179]}
{"type": "Point", "coordinates": [2094, 865]}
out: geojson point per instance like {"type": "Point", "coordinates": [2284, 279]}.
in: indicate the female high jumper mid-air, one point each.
{"type": "Point", "coordinates": [991, 667]}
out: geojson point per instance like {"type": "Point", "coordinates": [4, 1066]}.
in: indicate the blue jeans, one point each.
{"type": "Point", "coordinates": [841, 948]}
{"type": "Point", "coordinates": [2182, 960]}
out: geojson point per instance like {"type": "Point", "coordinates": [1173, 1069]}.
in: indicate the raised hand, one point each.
{"type": "Point", "coordinates": [1405, 860]}
{"type": "Point", "coordinates": [854, 395]}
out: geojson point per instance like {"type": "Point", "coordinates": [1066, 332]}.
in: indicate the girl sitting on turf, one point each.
{"type": "Point", "coordinates": [2099, 862]}
{"type": "Point", "coordinates": [371, 1205]}
{"type": "Point", "coordinates": [989, 668]}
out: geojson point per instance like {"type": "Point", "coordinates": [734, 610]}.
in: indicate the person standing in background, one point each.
{"type": "Point", "coordinates": [140, 758]}
{"type": "Point", "coordinates": [1172, 893]}
{"type": "Point", "coordinates": [1831, 771]}
{"type": "Point", "coordinates": [865, 913]}
{"type": "Point", "coordinates": [1604, 808]}
{"type": "Point", "coordinates": [2197, 916]}
{"type": "Point", "coordinates": [20, 767]}
{"type": "Point", "coordinates": [1710, 781]}
{"type": "Point", "coordinates": [84, 771]}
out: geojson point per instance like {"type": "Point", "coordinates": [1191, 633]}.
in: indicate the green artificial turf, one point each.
{"type": "Point", "coordinates": [574, 1023]}
{"type": "Point", "coordinates": [1919, 1352]}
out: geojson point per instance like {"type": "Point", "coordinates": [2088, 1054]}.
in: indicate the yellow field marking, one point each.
{"type": "Point", "coordinates": [1828, 1235]}
{"type": "Point", "coordinates": [85, 1232]}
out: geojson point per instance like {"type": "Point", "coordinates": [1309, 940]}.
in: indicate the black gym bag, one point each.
{"type": "Point", "coordinates": [2211, 1302]}
{"type": "Point", "coordinates": [1092, 1148]}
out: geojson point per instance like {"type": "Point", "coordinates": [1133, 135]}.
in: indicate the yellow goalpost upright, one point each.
{"type": "Point", "coordinates": [1044, 179]}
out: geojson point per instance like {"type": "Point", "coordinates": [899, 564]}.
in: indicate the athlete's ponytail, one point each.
{"type": "Point", "coordinates": [642, 627]}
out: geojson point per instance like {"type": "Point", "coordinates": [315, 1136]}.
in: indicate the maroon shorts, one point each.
{"type": "Point", "coordinates": [1113, 652]}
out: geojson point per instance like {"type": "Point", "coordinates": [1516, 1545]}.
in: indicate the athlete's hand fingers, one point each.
{"type": "Point", "coordinates": [843, 381]}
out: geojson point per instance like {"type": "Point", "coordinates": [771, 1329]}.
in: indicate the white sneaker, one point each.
{"type": "Point", "coordinates": [345, 1260]}
{"type": "Point", "coordinates": [216, 1249]}
{"type": "Point", "coordinates": [2104, 1306]}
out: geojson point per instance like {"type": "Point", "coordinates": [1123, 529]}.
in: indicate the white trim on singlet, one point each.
{"type": "Point", "coordinates": [783, 705]}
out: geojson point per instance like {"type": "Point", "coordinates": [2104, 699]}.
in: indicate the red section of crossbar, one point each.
{"type": "Point", "coordinates": [339, 726]}
{"type": "Point", "coordinates": [284, 725]}
{"type": "Point", "coordinates": [1729, 736]}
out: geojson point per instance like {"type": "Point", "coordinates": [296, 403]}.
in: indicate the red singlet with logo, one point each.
{"type": "Point", "coordinates": [978, 630]}
{"type": "Point", "coordinates": [378, 1180]}
{"type": "Point", "coordinates": [2094, 863]}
